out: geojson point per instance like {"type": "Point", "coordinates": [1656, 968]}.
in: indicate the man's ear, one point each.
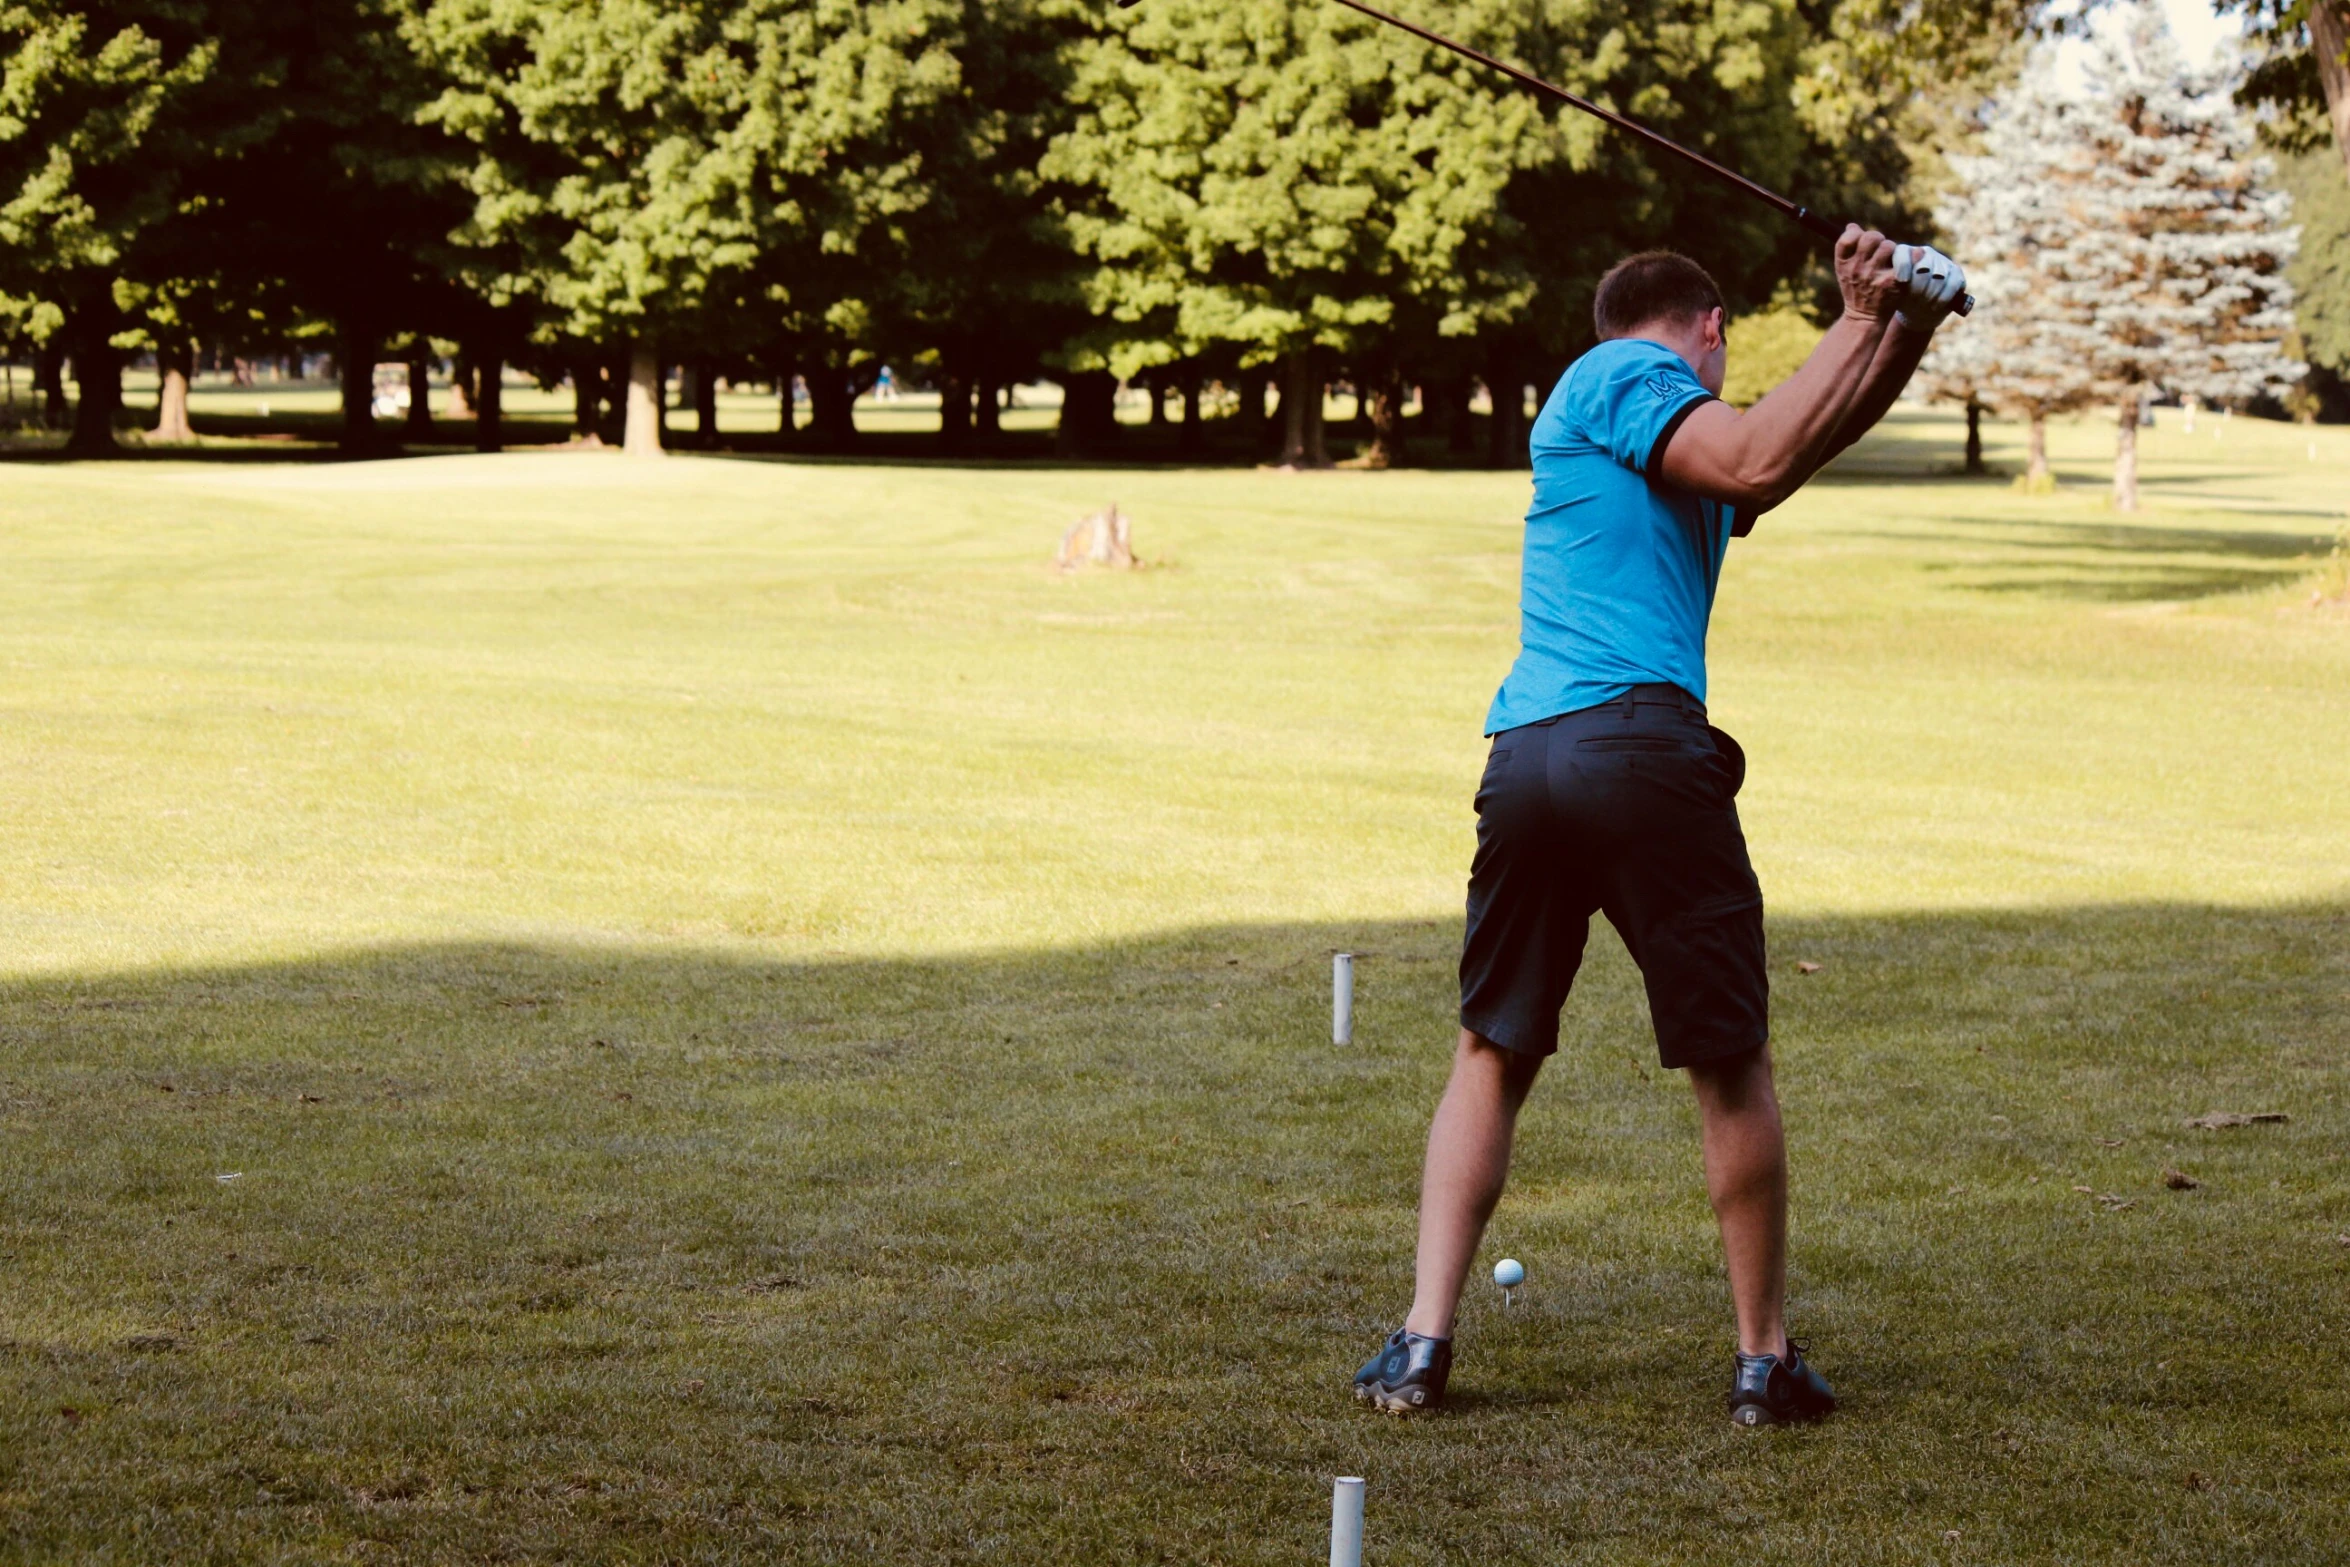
{"type": "Point", "coordinates": [1717, 328]}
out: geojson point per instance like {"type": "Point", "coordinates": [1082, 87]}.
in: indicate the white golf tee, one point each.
{"type": "Point", "coordinates": [1342, 998]}
{"type": "Point", "coordinates": [1346, 1522]}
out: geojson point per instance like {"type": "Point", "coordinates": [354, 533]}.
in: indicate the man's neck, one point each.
{"type": "Point", "coordinates": [1686, 338]}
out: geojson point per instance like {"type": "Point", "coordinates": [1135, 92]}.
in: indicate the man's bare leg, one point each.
{"type": "Point", "coordinates": [1746, 1176]}
{"type": "Point", "coordinates": [1468, 1161]}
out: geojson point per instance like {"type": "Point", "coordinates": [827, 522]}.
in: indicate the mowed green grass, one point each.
{"type": "Point", "coordinates": [751, 1019]}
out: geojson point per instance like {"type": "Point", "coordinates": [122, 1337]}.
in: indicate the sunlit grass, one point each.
{"type": "Point", "coordinates": [751, 1017]}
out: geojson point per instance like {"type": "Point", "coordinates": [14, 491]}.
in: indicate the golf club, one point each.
{"type": "Point", "coordinates": [1825, 227]}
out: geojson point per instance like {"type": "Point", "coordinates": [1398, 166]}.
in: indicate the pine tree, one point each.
{"type": "Point", "coordinates": [2173, 280]}
{"type": "Point", "coordinates": [2123, 243]}
{"type": "Point", "coordinates": [2006, 220]}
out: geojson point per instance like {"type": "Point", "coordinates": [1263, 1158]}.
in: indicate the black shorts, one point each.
{"type": "Point", "coordinates": [1628, 808]}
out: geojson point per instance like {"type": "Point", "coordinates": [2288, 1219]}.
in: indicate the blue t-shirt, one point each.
{"type": "Point", "coordinates": [1620, 566]}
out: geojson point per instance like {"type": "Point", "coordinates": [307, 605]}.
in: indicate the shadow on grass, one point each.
{"type": "Point", "coordinates": [479, 1252]}
{"type": "Point", "coordinates": [2119, 562]}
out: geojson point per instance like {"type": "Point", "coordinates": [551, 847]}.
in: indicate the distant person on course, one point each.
{"type": "Point", "coordinates": [1607, 789]}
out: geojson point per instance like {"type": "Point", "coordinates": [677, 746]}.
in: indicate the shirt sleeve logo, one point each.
{"type": "Point", "coordinates": [1667, 388]}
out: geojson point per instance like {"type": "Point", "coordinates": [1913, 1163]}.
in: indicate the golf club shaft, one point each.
{"type": "Point", "coordinates": [1825, 227]}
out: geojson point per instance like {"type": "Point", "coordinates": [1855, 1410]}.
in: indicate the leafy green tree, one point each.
{"type": "Point", "coordinates": [698, 177]}
{"type": "Point", "coordinates": [2320, 271]}
{"type": "Point", "coordinates": [100, 113]}
{"type": "Point", "coordinates": [342, 202]}
{"type": "Point", "coordinates": [1278, 180]}
{"type": "Point", "coordinates": [1297, 183]}
{"type": "Point", "coordinates": [2303, 70]}
{"type": "Point", "coordinates": [611, 176]}
{"type": "Point", "coordinates": [986, 284]}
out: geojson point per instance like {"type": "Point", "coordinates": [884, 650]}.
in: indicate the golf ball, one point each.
{"type": "Point", "coordinates": [1509, 1273]}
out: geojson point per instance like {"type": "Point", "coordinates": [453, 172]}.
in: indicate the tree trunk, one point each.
{"type": "Point", "coordinates": [832, 406]}
{"type": "Point", "coordinates": [1255, 423]}
{"type": "Point", "coordinates": [1301, 406]}
{"type": "Point", "coordinates": [954, 411]}
{"type": "Point", "coordinates": [97, 368]}
{"type": "Point", "coordinates": [990, 409]}
{"type": "Point", "coordinates": [2125, 456]}
{"type": "Point", "coordinates": [356, 352]}
{"type": "Point", "coordinates": [2036, 451]}
{"type": "Point", "coordinates": [2329, 36]}
{"type": "Point", "coordinates": [489, 403]}
{"type": "Point", "coordinates": [587, 401]}
{"type": "Point", "coordinates": [612, 382]}
{"type": "Point", "coordinates": [643, 437]}
{"type": "Point", "coordinates": [1974, 436]}
{"type": "Point", "coordinates": [419, 400]}
{"type": "Point", "coordinates": [1158, 394]}
{"type": "Point", "coordinates": [1506, 432]}
{"type": "Point", "coordinates": [1386, 412]}
{"type": "Point", "coordinates": [1458, 394]}
{"type": "Point", "coordinates": [1089, 413]}
{"type": "Point", "coordinates": [787, 416]}
{"type": "Point", "coordinates": [49, 382]}
{"type": "Point", "coordinates": [176, 363]}
{"type": "Point", "coordinates": [461, 388]}
{"type": "Point", "coordinates": [705, 408]}
{"type": "Point", "coordinates": [1195, 434]}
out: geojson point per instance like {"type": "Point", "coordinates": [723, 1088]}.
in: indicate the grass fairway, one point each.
{"type": "Point", "coordinates": [560, 1010]}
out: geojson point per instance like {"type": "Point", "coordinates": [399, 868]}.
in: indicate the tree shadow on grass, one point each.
{"type": "Point", "coordinates": [2118, 562]}
{"type": "Point", "coordinates": [603, 1252]}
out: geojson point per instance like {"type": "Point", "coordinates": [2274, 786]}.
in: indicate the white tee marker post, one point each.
{"type": "Point", "coordinates": [1342, 998]}
{"type": "Point", "coordinates": [1346, 1522]}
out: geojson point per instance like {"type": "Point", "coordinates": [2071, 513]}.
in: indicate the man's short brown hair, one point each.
{"type": "Point", "coordinates": [1656, 285]}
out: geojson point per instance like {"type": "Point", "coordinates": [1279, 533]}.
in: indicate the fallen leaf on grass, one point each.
{"type": "Point", "coordinates": [2224, 1118]}
{"type": "Point", "coordinates": [150, 1341]}
{"type": "Point", "coordinates": [2178, 1180]}
{"type": "Point", "coordinates": [2110, 1142]}
{"type": "Point", "coordinates": [310, 1099]}
{"type": "Point", "coordinates": [233, 1175]}
{"type": "Point", "coordinates": [2197, 1480]}
{"type": "Point", "coordinates": [2084, 1190]}
{"type": "Point", "coordinates": [1807, 968]}
{"type": "Point", "coordinates": [2113, 1203]}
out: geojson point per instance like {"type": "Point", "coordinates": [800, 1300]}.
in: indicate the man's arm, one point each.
{"type": "Point", "coordinates": [1898, 353]}
{"type": "Point", "coordinates": [1755, 460]}
{"type": "Point", "coordinates": [1932, 286]}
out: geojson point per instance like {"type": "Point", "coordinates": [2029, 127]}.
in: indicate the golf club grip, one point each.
{"type": "Point", "coordinates": [1833, 229]}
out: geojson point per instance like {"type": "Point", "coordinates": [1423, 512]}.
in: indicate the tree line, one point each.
{"type": "Point", "coordinates": [1265, 194]}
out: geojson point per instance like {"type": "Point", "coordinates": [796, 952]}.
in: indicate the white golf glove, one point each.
{"type": "Point", "coordinates": [1931, 285]}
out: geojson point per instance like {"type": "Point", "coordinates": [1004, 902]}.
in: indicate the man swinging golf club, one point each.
{"type": "Point", "coordinates": [1607, 789]}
